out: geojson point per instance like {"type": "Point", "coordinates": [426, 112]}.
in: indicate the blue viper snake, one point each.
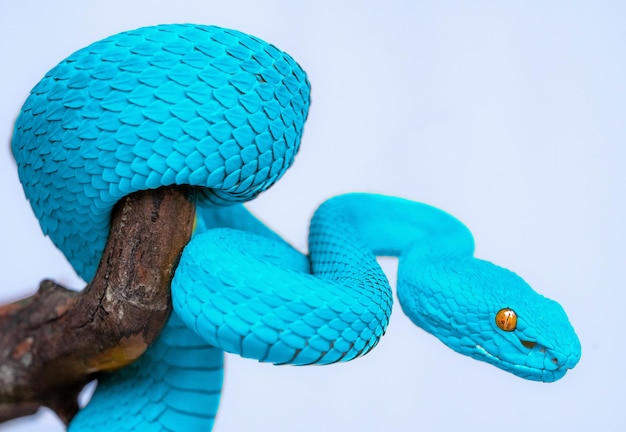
{"type": "Point", "coordinates": [224, 111]}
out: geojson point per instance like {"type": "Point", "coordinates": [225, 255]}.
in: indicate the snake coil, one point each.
{"type": "Point", "coordinates": [224, 111]}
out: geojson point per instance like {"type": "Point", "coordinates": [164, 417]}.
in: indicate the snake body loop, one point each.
{"type": "Point", "coordinates": [157, 106]}
{"type": "Point", "coordinates": [224, 112]}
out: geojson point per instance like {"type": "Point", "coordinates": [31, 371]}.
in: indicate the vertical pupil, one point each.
{"type": "Point", "coordinates": [506, 319]}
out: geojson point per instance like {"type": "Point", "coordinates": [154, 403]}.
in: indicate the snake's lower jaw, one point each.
{"type": "Point", "coordinates": [538, 364]}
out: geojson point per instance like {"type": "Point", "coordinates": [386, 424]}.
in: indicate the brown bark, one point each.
{"type": "Point", "coordinates": [53, 343]}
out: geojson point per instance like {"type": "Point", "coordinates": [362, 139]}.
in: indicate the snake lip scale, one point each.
{"type": "Point", "coordinates": [224, 112]}
{"type": "Point", "coordinates": [547, 376]}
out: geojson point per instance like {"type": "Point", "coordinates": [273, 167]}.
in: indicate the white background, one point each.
{"type": "Point", "coordinates": [510, 115]}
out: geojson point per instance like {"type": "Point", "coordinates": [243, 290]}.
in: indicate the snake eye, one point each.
{"type": "Point", "coordinates": [506, 319]}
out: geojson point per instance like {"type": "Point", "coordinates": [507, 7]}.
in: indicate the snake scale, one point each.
{"type": "Point", "coordinates": [224, 111]}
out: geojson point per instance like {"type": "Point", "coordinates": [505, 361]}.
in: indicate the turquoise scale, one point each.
{"type": "Point", "coordinates": [176, 384]}
{"type": "Point", "coordinates": [172, 104]}
{"type": "Point", "coordinates": [122, 114]}
{"type": "Point", "coordinates": [224, 111]}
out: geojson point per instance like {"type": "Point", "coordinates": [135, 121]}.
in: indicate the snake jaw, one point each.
{"type": "Point", "coordinates": [516, 368]}
{"type": "Point", "coordinates": [534, 361]}
{"type": "Point", "coordinates": [487, 354]}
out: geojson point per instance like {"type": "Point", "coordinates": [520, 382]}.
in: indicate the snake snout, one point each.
{"type": "Point", "coordinates": [546, 358]}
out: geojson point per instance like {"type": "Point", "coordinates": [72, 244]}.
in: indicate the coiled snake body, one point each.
{"type": "Point", "coordinates": [224, 111]}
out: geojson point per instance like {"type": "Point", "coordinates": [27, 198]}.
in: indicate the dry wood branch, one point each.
{"type": "Point", "coordinates": [53, 343]}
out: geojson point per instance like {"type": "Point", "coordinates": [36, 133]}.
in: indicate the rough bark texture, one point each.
{"type": "Point", "coordinates": [53, 343]}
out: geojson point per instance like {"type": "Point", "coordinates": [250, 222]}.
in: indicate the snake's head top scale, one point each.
{"type": "Point", "coordinates": [491, 314]}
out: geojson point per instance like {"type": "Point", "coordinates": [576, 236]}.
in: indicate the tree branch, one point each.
{"type": "Point", "coordinates": [53, 343]}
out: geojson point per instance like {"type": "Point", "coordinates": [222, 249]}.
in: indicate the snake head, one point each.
{"type": "Point", "coordinates": [488, 313]}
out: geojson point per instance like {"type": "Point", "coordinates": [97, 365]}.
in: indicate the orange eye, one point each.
{"type": "Point", "coordinates": [506, 319]}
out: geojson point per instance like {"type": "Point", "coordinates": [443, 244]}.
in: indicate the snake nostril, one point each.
{"type": "Point", "coordinates": [528, 344]}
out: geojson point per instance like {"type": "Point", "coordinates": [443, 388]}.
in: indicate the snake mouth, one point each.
{"type": "Point", "coordinates": [545, 351]}
{"type": "Point", "coordinates": [522, 365]}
